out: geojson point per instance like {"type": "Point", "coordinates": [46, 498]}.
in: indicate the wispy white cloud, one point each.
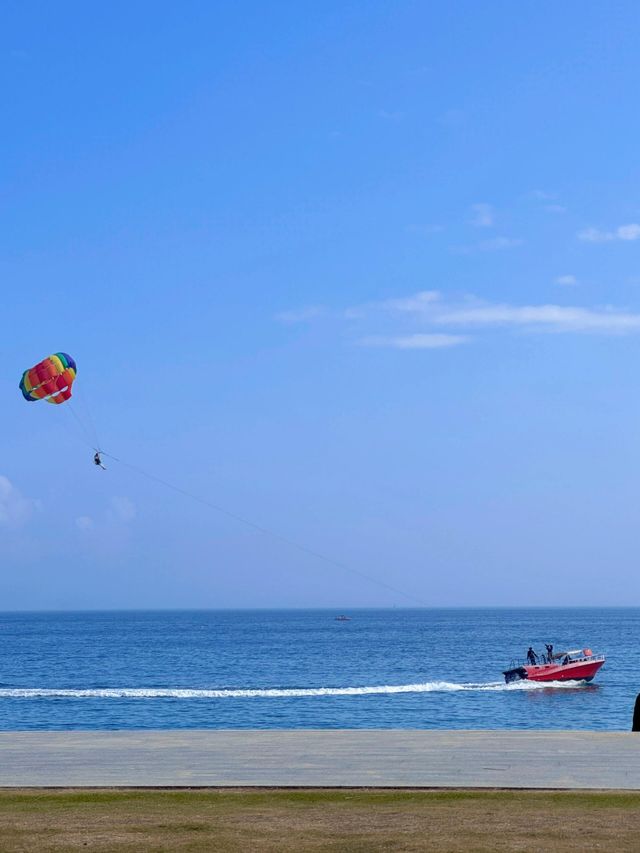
{"type": "Point", "coordinates": [548, 200]}
{"type": "Point", "coordinates": [120, 512]}
{"type": "Point", "coordinates": [543, 195]}
{"type": "Point", "coordinates": [628, 232]}
{"type": "Point", "coordinates": [594, 235]}
{"type": "Point", "coordinates": [418, 340]}
{"type": "Point", "coordinates": [557, 318]}
{"type": "Point", "coordinates": [430, 309]}
{"type": "Point", "coordinates": [300, 315]}
{"type": "Point", "coordinates": [566, 280]}
{"type": "Point", "coordinates": [498, 243]}
{"type": "Point", "coordinates": [15, 509]}
{"type": "Point", "coordinates": [123, 509]}
{"type": "Point", "coordinates": [482, 215]}
{"type": "Point", "coordinates": [494, 244]}
{"type": "Point", "coordinates": [430, 319]}
{"type": "Point", "coordinates": [414, 304]}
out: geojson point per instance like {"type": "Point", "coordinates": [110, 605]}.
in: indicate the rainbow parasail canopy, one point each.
{"type": "Point", "coordinates": [51, 379]}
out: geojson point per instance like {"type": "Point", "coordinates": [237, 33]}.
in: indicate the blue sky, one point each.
{"type": "Point", "coordinates": [365, 273]}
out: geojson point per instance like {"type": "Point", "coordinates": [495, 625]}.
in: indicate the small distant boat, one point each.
{"type": "Point", "coordinates": [343, 618]}
{"type": "Point", "coordinates": [574, 665]}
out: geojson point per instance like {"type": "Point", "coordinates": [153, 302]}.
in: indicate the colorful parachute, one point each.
{"type": "Point", "coordinates": [51, 379]}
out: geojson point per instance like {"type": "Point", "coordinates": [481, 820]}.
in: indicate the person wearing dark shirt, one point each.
{"type": "Point", "coordinates": [531, 656]}
{"type": "Point", "coordinates": [549, 649]}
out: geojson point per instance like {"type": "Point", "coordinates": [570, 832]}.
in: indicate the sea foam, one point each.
{"type": "Point", "coordinates": [270, 693]}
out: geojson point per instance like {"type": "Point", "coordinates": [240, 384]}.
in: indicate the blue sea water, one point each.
{"type": "Point", "coordinates": [303, 669]}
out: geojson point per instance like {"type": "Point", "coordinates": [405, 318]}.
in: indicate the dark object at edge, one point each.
{"type": "Point", "coordinates": [636, 715]}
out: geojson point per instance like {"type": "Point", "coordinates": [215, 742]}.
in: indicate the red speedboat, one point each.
{"type": "Point", "coordinates": [575, 665]}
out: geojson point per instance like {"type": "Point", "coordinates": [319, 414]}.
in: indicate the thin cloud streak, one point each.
{"type": "Point", "coordinates": [557, 318]}
{"type": "Point", "coordinates": [300, 315]}
{"type": "Point", "coordinates": [123, 509]}
{"type": "Point", "coordinates": [15, 509]}
{"type": "Point", "coordinates": [429, 307]}
{"type": "Point", "coordinates": [429, 320]}
{"type": "Point", "coordinates": [424, 300]}
{"type": "Point", "coordinates": [495, 244]}
{"type": "Point", "coordinates": [482, 215]}
{"type": "Point", "coordinates": [415, 341]}
{"type": "Point", "coordinates": [627, 233]}
{"type": "Point", "coordinates": [543, 195]}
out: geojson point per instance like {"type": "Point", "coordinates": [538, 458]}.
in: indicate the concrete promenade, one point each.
{"type": "Point", "coordinates": [380, 758]}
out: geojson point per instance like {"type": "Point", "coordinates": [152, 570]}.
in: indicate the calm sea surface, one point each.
{"type": "Point", "coordinates": [297, 669]}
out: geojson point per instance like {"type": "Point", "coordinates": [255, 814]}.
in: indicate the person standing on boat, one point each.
{"type": "Point", "coordinates": [549, 648]}
{"type": "Point", "coordinates": [531, 656]}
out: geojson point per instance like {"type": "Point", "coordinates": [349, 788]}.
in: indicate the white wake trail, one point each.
{"type": "Point", "coordinates": [269, 693]}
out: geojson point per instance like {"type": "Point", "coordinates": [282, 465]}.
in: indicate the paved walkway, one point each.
{"type": "Point", "coordinates": [474, 759]}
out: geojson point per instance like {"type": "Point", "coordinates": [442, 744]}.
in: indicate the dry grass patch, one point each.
{"type": "Point", "coordinates": [106, 821]}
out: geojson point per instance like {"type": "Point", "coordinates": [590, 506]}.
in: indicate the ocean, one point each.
{"type": "Point", "coordinates": [422, 668]}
